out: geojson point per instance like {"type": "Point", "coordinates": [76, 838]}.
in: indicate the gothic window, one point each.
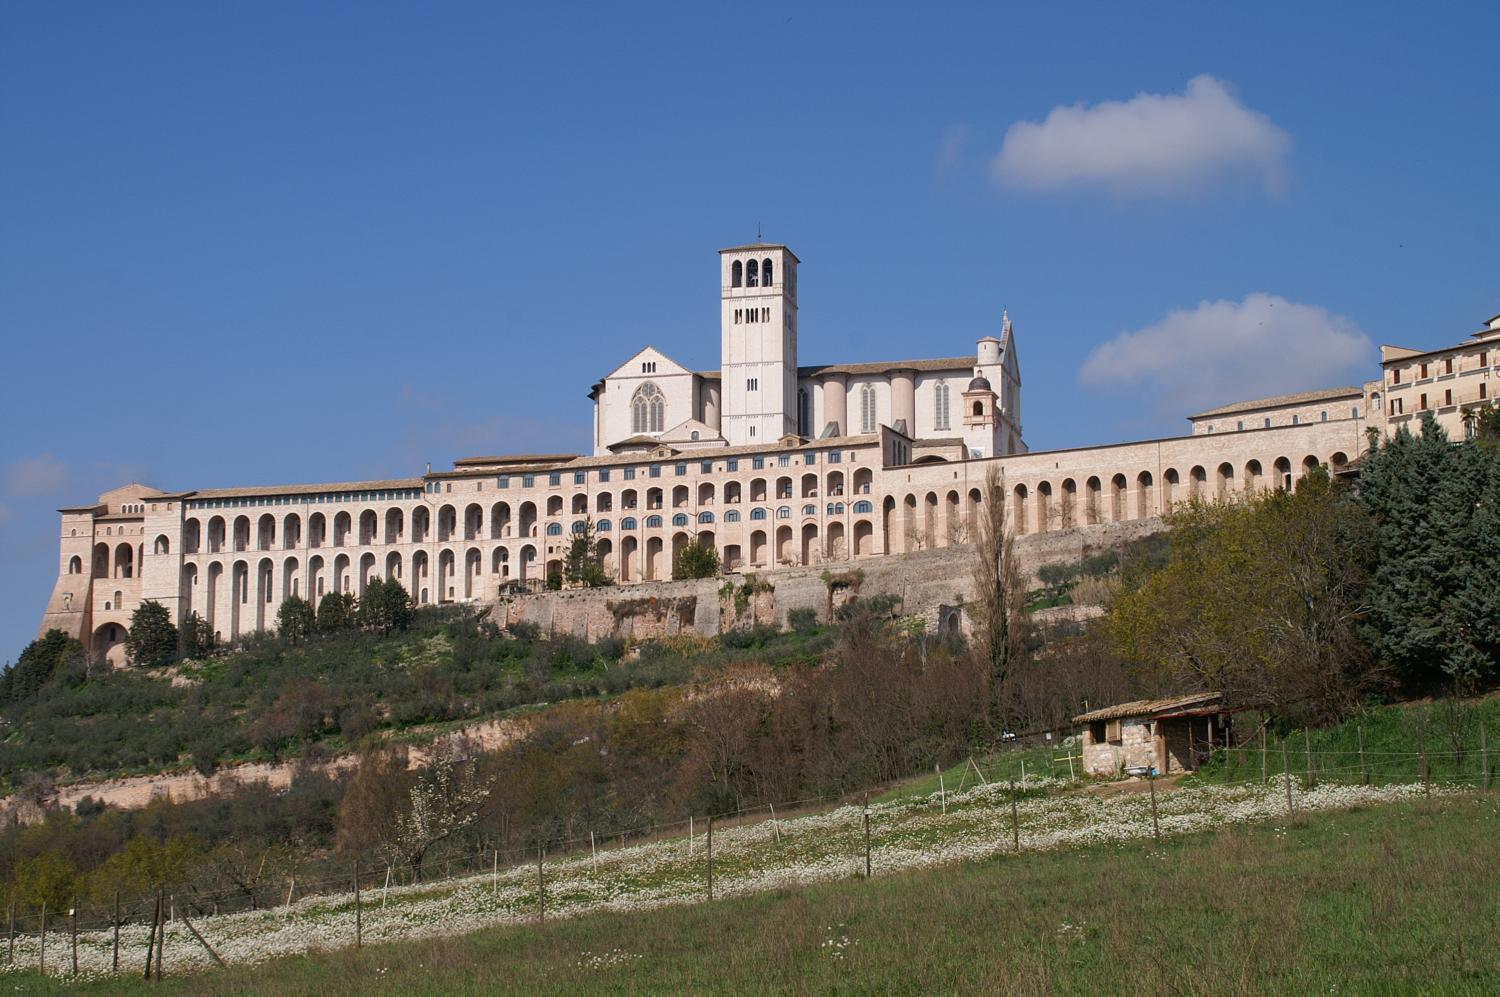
{"type": "Point", "coordinates": [736, 274]}
{"type": "Point", "coordinates": [867, 408]}
{"type": "Point", "coordinates": [751, 278]}
{"type": "Point", "coordinates": [940, 416]}
{"type": "Point", "coordinates": [647, 409]}
{"type": "Point", "coordinates": [765, 275]}
{"type": "Point", "coordinates": [804, 413]}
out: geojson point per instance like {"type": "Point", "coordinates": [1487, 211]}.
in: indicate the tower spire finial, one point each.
{"type": "Point", "coordinates": [757, 232]}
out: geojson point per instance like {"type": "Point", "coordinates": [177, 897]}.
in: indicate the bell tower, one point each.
{"type": "Point", "coordinates": [758, 323]}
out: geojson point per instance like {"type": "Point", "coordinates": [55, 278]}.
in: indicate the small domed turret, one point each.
{"type": "Point", "coordinates": [980, 383]}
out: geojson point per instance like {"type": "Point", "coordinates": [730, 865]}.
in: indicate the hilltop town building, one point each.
{"type": "Point", "coordinates": [772, 463]}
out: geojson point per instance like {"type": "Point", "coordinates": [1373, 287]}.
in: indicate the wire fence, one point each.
{"type": "Point", "coordinates": [1261, 761]}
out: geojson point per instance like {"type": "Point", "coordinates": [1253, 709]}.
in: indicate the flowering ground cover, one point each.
{"type": "Point", "coordinates": [750, 861]}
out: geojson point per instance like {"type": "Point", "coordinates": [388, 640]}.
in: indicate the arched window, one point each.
{"type": "Point", "coordinates": [705, 517]}
{"type": "Point", "coordinates": [751, 278]}
{"type": "Point", "coordinates": [940, 398]}
{"type": "Point", "coordinates": [784, 512]}
{"type": "Point", "coordinates": [809, 510]}
{"type": "Point", "coordinates": [653, 522]}
{"type": "Point", "coordinates": [647, 409]}
{"type": "Point", "coordinates": [979, 408]}
{"type": "Point", "coordinates": [579, 526]}
{"type": "Point", "coordinates": [554, 529]}
{"type": "Point", "coordinates": [736, 274]}
{"type": "Point", "coordinates": [863, 506]}
{"type": "Point", "coordinates": [75, 566]}
{"type": "Point", "coordinates": [765, 273]}
{"type": "Point", "coordinates": [602, 526]}
{"type": "Point", "coordinates": [757, 514]}
{"type": "Point", "coordinates": [732, 516]}
{"type": "Point", "coordinates": [628, 523]}
{"type": "Point", "coordinates": [867, 408]}
{"type": "Point", "coordinates": [804, 413]}
{"type": "Point", "coordinates": [680, 519]}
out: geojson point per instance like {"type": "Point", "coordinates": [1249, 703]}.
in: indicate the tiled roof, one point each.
{"type": "Point", "coordinates": [334, 486]}
{"type": "Point", "coordinates": [1280, 401]}
{"type": "Point", "coordinates": [1149, 707]}
{"type": "Point", "coordinates": [529, 458]}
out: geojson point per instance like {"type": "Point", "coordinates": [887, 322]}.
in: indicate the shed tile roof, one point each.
{"type": "Point", "coordinates": [1149, 707]}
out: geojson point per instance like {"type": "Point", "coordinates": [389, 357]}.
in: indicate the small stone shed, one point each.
{"type": "Point", "coordinates": [1168, 735]}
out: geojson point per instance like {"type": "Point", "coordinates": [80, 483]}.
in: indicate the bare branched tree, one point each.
{"type": "Point", "coordinates": [1000, 593]}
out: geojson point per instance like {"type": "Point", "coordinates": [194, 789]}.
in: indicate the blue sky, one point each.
{"type": "Point", "coordinates": [247, 244]}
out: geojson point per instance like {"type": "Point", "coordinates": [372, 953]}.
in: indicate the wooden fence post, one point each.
{"type": "Point", "coordinates": [114, 961]}
{"type": "Point", "coordinates": [710, 856]}
{"type": "Point", "coordinates": [42, 955]}
{"type": "Point", "coordinates": [1422, 755]}
{"type": "Point", "coordinates": [1155, 823]}
{"type": "Point", "coordinates": [385, 890]}
{"type": "Point", "coordinates": [1263, 748]}
{"type": "Point", "coordinates": [203, 941]}
{"type": "Point", "coordinates": [73, 933]}
{"type": "Point", "coordinates": [1015, 820]}
{"type": "Point", "coordinates": [541, 889]}
{"type": "Point", "coordinates": [867, 835]}
{"type": "Point", "coordinates": [161, 941]}
{"type": "Point", "coordinates": [10, 934]}
{"type": "Point", "coordinates": [1364, 770]}
{"type": "Point", "coordinates": [943, 789]}
{"type": "Point", "coordinates": [494, 876]}
{"type": "Point", "coordinates": [1484, 757]}
{"type": "Point", "coordinates": [1307, 751]}
{"type": "Point", "coordinates": [359, 922]}
{"type": "Point", "coordinates": [151, 944]}
{"type": "Point", "coordinates": [1286, 779]}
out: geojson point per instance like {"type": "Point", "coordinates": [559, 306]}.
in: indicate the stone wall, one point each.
{"type": "Point", "coordinates": [923, 581]}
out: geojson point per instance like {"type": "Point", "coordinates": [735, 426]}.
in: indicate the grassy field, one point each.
{"type": "Point", "coordinates": [1388, 899]}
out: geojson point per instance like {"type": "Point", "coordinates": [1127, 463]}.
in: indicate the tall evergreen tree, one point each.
{"type": "Point", "coordinates": [294, 619]}
{"type": "Point", "coordinates": [385, 606]}
{"type": "Point", "coordinates": [1423, 492]}
{"type": "Point", "coordinates": [152, 639]}
{"type": "Point", "coordinates": [335, 612]}
{"type": "Point", "coordinates": [41, 659]}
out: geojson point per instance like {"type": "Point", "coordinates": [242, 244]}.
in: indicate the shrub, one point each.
{"type": "Point", "coordinates": [804, 621]}
{"type": "Point", "coordinates": [335, 612]}
{"type": "Point", "coordinates": [294, 620]}
{"type": "Point", "coordinates": [696, 560]}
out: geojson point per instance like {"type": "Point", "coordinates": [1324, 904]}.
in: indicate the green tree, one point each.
{"type": "Point", "coordinates": [152, 639]}
{"type": "Point", "coordinates": [295, 619]}
{"type": "Point", "coordinates": [50, 877]}
{"type": "Point", "coordinates": [195, 638]}
{"type": "Point", "coordinates": [335, 612]}
{"type": "Point", "coordinates": [40, 660]}
{"type": "Point", "coordinates": [696, 560]}
{"type": "Point", "coordinates": [385, 606]}
{"type": "Point", "coordinates": [582, 564]}
{"type": "Point", "coordinates": [1428, 499]}
{"type": "Point", "coordinates": [1262, 600]}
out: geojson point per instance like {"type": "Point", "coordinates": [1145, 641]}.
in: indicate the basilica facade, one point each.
{"type": "Point", "coordinates": [773, 463]}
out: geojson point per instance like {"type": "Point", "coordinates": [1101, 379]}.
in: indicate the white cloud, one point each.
{"type": "Point", "coordinates": [1152, 144]}
{"type": "Point", "coordinates": [32, 477]}
{"type": "Point", "coordinates": [1229, 351]}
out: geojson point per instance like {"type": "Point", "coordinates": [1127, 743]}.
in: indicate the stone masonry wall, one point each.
{"type": "Point", "coordinates": [923, 581]}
